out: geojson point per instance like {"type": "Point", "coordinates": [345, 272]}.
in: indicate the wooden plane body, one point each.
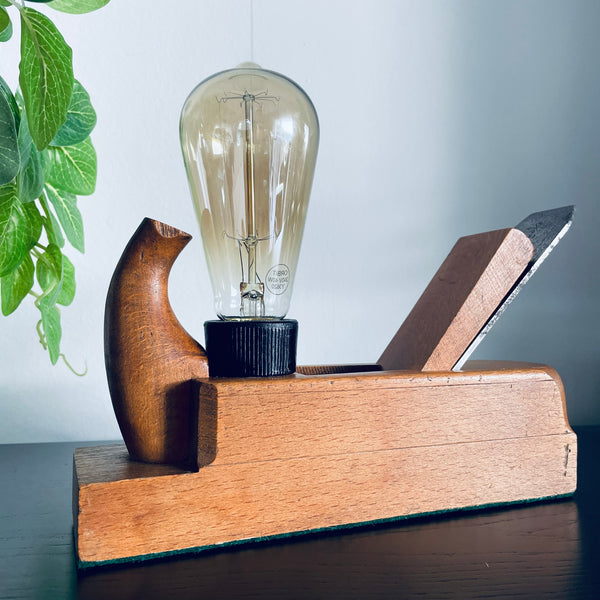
{"type": "Point", "coordinates": [312, 452]}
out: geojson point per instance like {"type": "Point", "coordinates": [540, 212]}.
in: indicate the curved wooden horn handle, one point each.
{"type": "Point", "coordinates": [151, 361]}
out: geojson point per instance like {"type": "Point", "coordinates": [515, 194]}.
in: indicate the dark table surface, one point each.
{"type": "Point", "coordinates": [540, 550]}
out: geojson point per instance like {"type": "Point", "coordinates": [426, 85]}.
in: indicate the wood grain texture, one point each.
{"type": "Point", "coordinates": [244, 501]}
{"type": "Point", "coordinates": [284, 418]}
{"type": "Point", "coordinates": [151, 361]}
{"type": "Point", "coordinates": [544, 229]}
{"type": "Point", "coordinates": [463, 294]}
{"type": "Point", "coordinates": [310, 452]}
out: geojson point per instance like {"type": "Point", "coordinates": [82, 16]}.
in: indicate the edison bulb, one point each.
{"type": "Point", "coordinates": [249, 138]}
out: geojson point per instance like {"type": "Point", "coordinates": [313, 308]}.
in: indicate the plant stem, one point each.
{"type": "Point", "coordinates": [72, 369]}
{"type": "Point", "coordinates": [43, 257]}
{"type": "Point", "coordinates": [41, 335]}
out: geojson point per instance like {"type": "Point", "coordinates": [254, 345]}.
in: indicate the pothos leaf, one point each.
{"type": "Point", "coordinates": [35, 222]}
{"type": "Point", "coordinates": [49, 273]}
{"type": "Point", "coordinates": [30, 181]}
{"type": "Point", "coordinates": [17, 230]}
{"type": "Point", "coordinates": [13, 101]}
{"type": "Point", "coordinates": [45, 75]}
{"type": "Point", "coordinates": [50, 269]}
{"type": "Point", "coordinates": [54, 230]}
{"type": "Point", "coordinates": [72, 168]}
{"type": "Point", "coordinates": [10, 160]}
{"type": "Point", "coordinates": [81, 119]}
{"type": "Point", "coordinates": [68, 214]}
{"type": "Point", "coordinates": [5, 26]}
{"type": "Point", "coordinates": [67, 291]}
{"type": "Point", "coordinates": [51, 328]}
{"type": "Point", "coordinates": [6, 34]}
{"type": "Point", "coordinates": [16, 285]}
{"type": "Point", "coordinates": [78, 7]}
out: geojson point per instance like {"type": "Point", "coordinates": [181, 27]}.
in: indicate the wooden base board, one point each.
{"type": "Point", "coordinates": [399, 444]}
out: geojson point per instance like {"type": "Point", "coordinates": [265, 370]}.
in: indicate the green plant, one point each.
{"type": "Point", "coordinates": [46, 160]}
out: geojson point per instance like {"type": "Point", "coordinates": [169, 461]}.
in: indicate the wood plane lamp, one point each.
{"type": "Point", "coordinates": [236, 443]}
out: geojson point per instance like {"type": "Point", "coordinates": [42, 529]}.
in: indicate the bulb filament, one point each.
{"type": "Point", "coordinates": [251, 288]}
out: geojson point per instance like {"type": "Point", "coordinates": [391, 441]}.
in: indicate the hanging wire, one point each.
{"type": "Point", "coordinates": [252, 30]}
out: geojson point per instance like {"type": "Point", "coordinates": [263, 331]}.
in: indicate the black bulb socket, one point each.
{"type": "Point", "coordinates": [251, 347]}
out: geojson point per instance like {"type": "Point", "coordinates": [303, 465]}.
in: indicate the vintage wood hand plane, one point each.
{"type": "Point", "coordinates": [212, 461]}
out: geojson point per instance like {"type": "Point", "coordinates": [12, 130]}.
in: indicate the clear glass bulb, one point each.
{"type": "Point", "coordinates": [249, 139]}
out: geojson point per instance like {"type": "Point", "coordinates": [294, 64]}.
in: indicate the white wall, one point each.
{"type": "Point", "coordinates": [438, 119]}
